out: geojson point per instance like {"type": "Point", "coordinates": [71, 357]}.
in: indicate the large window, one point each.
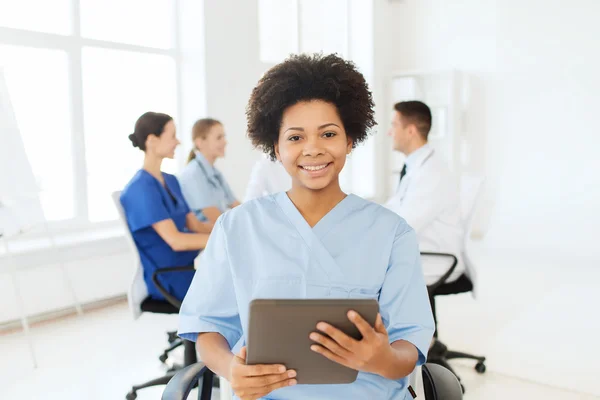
{"type": "Point", "coordinates": [37, 15]}
{"type": "Point", "coordinates": [79, 73]}
{"type": "Point", "coordinates": [140, 82]}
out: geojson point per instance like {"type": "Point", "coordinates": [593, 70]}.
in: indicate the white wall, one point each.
{"type": "Point", "coordinates": [232, 70]}
{"type": "Point", "coordinates": [96, 269]}
{"type": "Point", "coordinates": [534, 95]}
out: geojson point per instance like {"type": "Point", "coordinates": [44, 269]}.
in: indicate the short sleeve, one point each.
{"type": "Point", "coordinates": [143, 205]}
{"type": "Point", "coordinates": [403, 301]}
{"type": "Point", "coordinates": [197, 191]}
{"type": "Point", "coordinates": [210, 304]}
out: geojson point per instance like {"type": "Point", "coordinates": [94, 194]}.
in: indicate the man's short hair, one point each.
{"type": "Point", "coordinates": [417, 113]}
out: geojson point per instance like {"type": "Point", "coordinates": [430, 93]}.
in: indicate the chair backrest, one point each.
{"type": "Point", "coordinates": [138, 291]}
{"type": "Point", "coordinates": [439, 383]}
{"type": "Point", "coordinates": [471, 188]}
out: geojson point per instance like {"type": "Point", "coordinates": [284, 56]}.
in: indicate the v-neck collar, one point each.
{"type": "Point", "coordinates": [326, 222]}
{"type": "Point", "coordinates": [165, 188]}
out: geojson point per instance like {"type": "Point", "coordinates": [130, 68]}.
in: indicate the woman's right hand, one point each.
{"type": "Point", "coordinates": [251, 382]}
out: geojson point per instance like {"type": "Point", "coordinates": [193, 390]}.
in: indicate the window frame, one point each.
{"type": "Point", "coordinates": [73, 45]}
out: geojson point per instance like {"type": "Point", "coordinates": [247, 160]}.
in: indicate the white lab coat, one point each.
{"type": "Point", "coordinates": [267, 177]}
{"type": "Point", "coordinates": [428, 199]}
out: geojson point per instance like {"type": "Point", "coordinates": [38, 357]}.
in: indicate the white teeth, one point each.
{"type": "Point", "coordinates": [314, 167]}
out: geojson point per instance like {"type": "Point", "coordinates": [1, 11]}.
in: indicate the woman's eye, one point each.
{"type": "Point", "coordinates": [294, 138]}
{"type": "Point", "coordinates": [329, 134]}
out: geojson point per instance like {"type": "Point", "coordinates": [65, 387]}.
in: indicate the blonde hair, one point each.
{"type": "Point", "coordinates": [200, 130]}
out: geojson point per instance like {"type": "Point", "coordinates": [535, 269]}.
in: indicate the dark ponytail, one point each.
{"type": "Point", "coordinates": [150, 123]}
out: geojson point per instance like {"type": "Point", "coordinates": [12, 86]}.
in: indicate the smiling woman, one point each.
{"type": "Point", "coordinates": [339, 84]}
{"type": "Point", "coordinates": [165, 231]}
{"type": "Point", "coordinates": [314, 242]}
{"type": "Point", "coordinates": [313, 152]}
{"type": "Point", "coordinates": [204, 186]}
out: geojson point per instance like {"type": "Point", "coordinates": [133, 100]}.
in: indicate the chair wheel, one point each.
{"type": "Point", "coordinates": [163, 358]}
{"type": "Point", "coordinates": [480, 367]}
{"type": "Point", "coordinates": [131, 395]}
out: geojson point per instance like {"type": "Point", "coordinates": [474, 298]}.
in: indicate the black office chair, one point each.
{"type": "Point", "coordinates": [140, 302]}
{"type": "Point", "coordinates": [171, 306]}
{"type": "Point", "coordinates": [471, 188]}
{"type": "Point", "coordinates": [439, 353]}
{"type": "Point", "coordinates": [438, 383]}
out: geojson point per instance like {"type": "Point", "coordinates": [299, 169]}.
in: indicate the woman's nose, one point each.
{"type": "Point", "coordinates": [312, 147]}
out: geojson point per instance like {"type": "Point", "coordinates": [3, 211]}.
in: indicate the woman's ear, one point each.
{"type": "Point", "coordinates": [198, 143]}
{"type": "Point", "coordinates": [151, 140]}
{"type": "Point", "coordinates": [349, 147]}
{"type": "Point", "coordinates": [276, 147]}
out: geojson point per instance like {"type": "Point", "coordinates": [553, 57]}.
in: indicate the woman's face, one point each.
{"type": "Point", "coordinates": [312, 144]}
{"type": "Point", "coordinates": [164, 145]}
{"type": "Point", "coordinates": [214, 143]}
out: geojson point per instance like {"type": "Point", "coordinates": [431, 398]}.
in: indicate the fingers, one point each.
{"type": "Point", "coordinates": [255, 381]}
{"type": "Point", "coordinates": [379, 326]}
{"type": "Point", "coordinates": [330, 344]}
{"type": "Point", "coordinates": [278, 385]}
{"type": "Point", "coordinates": [340, 337]}
{"type": "Point", "coordinates": [330, 355]}
{"type": "Point", "coordinates": [257, 393]}
{"type": "Point", "coordinates": [260, 370]}
{"type": "Point", "coordinates": [363, 326]}
{"type": "Point", "coordinates": [261, 382]}
{"type": "Point", "coordinates": [259, 386]}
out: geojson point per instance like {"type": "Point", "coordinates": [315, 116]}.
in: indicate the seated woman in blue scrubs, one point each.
{"type": "Point", "coordinates": [204, 187]}
{"type": "Point", "coordinates": [165, 231]}
{"type": "Point", "coordinates": [313, 241]}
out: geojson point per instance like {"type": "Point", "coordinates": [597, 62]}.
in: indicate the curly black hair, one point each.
{"type": "Point", "coordinates": [306, 77]}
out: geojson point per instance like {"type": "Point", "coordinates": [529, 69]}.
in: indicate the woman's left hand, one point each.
{"type": "Point", "coordinates": [370, 354]}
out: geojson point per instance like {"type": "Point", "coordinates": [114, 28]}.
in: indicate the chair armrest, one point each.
{"type": "Point", "coordinates": [431, 288]}
{"type": "Point", "coordinates": [182, 383]}
{"type": "Point", "coordinates": [169, 297]}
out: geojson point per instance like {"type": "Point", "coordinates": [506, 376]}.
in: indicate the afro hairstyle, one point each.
{"type": "Point", "coordinates": [307, 77]}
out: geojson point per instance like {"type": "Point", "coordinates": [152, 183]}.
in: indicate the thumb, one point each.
{"type": "Point", "coordinates": [242, 353]}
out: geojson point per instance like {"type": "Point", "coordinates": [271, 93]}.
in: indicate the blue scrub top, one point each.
{"type": "Point", "coordinates": [146, 201]}
{"type": "Point", "coordinates": [205, 186]}
{"type": "Point", "coordinates": [266, 249]}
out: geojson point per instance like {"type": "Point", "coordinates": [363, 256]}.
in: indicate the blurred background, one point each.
{"type": "Point", "coordinates": [515, 93]}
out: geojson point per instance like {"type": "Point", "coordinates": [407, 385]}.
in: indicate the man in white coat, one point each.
{"type": "Point", "coordinates": [427, 196]}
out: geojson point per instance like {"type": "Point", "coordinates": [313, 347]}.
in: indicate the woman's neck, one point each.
{"type": "Point", "coordinates": [152, 166]}
{"type": "Point", "coordinates": [211, 159]}
{"type": "Point", "coordinates": [315, 204]}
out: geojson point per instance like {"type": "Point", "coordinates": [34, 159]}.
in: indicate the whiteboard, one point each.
{"type": "Point", "coordinates": [20, 206]}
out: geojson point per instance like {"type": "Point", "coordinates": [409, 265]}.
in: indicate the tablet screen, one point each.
{"type": "Point", "coordinates": [279, 334]}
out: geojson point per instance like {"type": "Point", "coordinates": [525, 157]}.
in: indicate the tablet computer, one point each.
{"type": "Point", "coordinates": [279, 332]}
